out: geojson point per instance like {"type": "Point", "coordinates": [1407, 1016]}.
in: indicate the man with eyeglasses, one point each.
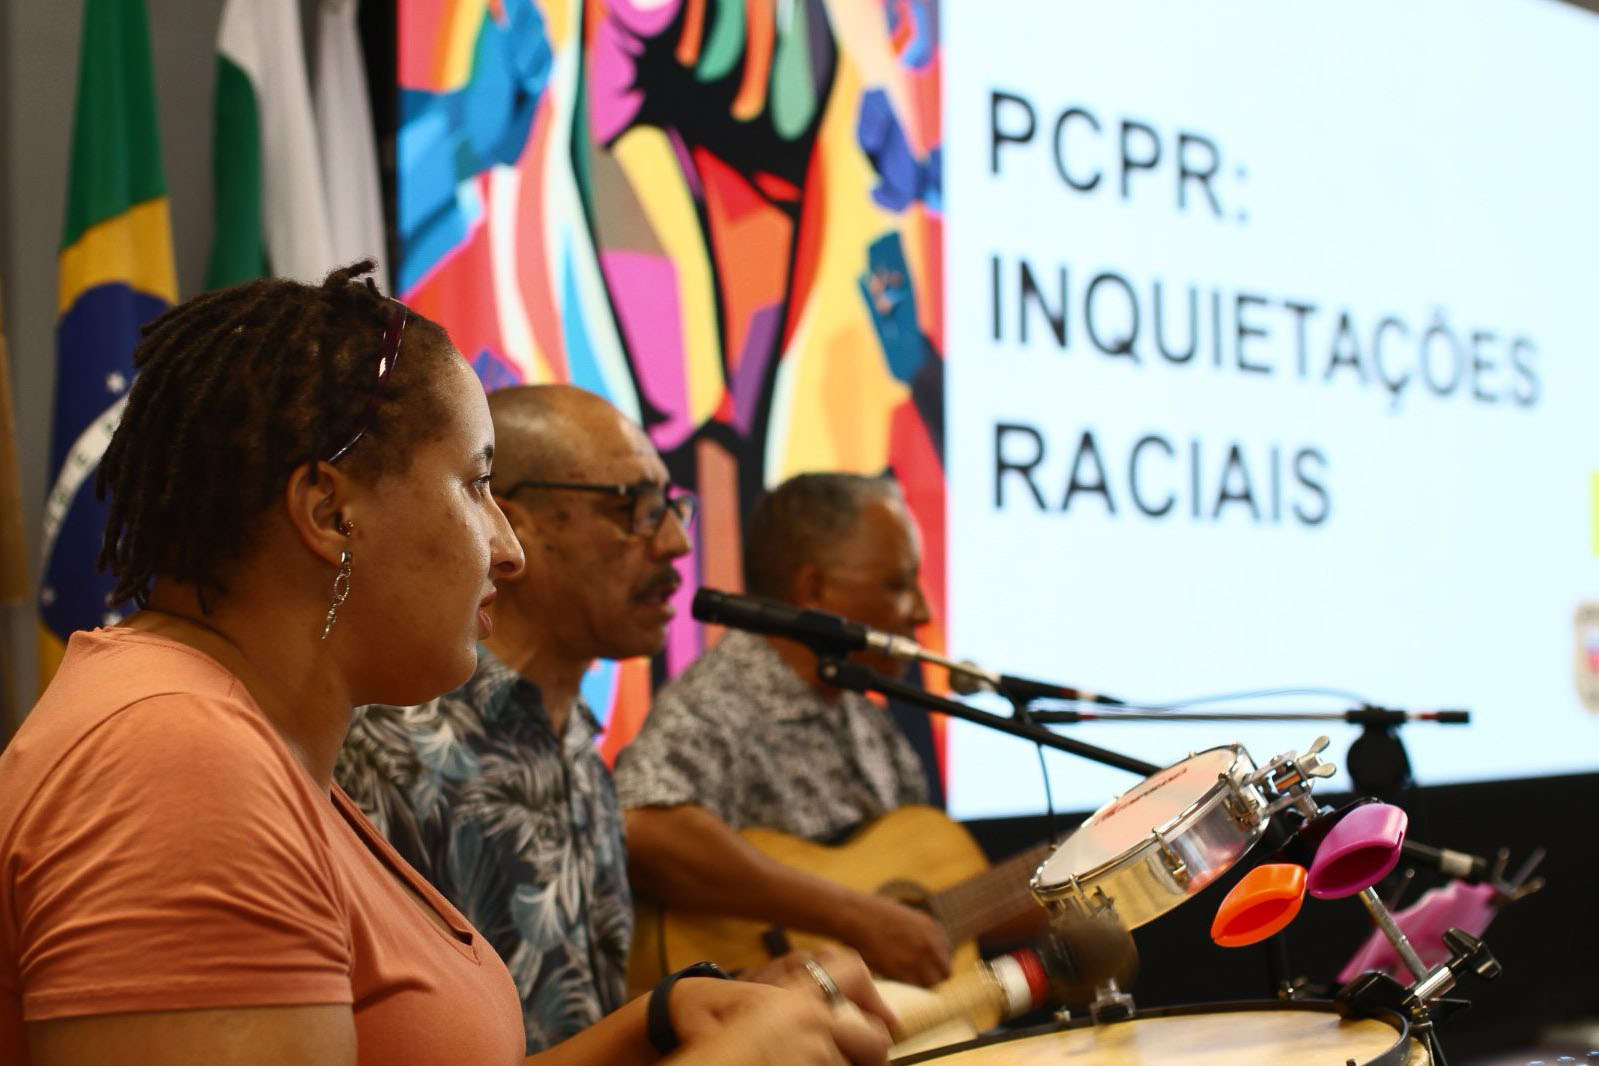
{"type": "Point", "coordinates": [495, 791]}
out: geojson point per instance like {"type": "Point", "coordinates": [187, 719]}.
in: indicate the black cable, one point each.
{"type": "Point", "coordinates": [1049, 798]}
{"type": "Point", "coordinates": [1265, 693]}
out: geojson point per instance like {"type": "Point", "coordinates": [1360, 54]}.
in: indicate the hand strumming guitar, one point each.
{"type": "Point", "coordinates": [898, 942]}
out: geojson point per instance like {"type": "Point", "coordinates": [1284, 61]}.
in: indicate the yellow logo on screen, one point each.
{"type": "Point", "coordinates": [1593, 510]}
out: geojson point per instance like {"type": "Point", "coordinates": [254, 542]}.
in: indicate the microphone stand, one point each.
{"type": "Point", "coordinates": [1377, 762]}
{"type": "Point", "coordinates": [841, 672]}
{"type": "Point", "coordinates": [1423, 1004]}
{"type": "Point", "coordinates": [835, 669]}
{"type": "Point", "coordinates": [1368, 716]}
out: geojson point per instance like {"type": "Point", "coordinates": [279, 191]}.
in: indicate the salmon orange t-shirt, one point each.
{"type": "Point", "coordinates": [162, 849]}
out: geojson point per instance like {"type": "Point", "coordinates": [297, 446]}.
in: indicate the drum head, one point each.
{"type": "Point", "coordinates": [1157, 802]}
{"type": "Point", "coordinates": [1235, 1034]}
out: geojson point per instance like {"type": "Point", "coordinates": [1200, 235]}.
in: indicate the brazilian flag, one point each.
{"type": "Point", "coordinates": [116, 273]}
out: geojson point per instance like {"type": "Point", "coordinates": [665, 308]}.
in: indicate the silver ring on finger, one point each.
{"type": "Point", "coordinates": [824, 982]}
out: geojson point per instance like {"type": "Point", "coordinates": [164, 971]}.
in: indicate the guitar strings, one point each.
{"type": "Point", "coordinates": [972, 906]}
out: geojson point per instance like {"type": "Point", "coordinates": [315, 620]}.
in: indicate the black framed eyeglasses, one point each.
{"type": "Point", "coordinates": [651, 503]}
{"type": "Point", "coordinates": [388, 356]}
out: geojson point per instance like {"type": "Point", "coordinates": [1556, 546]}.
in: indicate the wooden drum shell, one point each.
{"type": "Point", "coordinates": [1223, 1034]}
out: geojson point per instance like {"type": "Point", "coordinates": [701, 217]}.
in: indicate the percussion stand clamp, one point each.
{"type": "Point", "coordinates": [1289, 778]}
{"type": "Point", "coordinates": [1111, 1004]}
{"type": "Point", "coordinates": [1425, 1003]}
{"type": "Point", "coordinates": [1467, 953]}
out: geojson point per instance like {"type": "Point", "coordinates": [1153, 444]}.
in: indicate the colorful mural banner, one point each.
{"type": "Point", "coordinates": [725, 217]}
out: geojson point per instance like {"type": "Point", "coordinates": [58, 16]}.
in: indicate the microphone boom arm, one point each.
{"type": "Point", "coordinates": [845, 674]}
{"type": "Point", "coordinates": [1358, 716]}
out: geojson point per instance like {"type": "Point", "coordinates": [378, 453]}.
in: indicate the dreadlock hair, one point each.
{"type": "Point", "coordinates": [235, 389]}
{"type": "Point", "coordinates": [797, 522]}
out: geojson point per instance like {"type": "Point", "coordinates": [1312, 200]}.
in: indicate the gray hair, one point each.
{"type": "Point", "coordinates": [794, 524]}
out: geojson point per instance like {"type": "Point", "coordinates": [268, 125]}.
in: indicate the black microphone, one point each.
{"type": "Point", "coordinates": [818, 630]}
{"type": "Point", "coordinates": [968, 678]}
{"type": "Point", "coordinates": [1370, 715]}
{"type": "Point", "coordinates": [1458, 864]}
{"type": "Point", "coordinates": [1301, 845]}
{"type": "Point", "coordinates": [833, 634]}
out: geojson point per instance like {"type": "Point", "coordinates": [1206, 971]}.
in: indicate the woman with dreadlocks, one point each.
{"type": "Point", "coordinates": [300, 509]}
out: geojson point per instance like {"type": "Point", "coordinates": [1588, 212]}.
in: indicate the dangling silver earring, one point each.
{"type": "Point", "coordinates": [341, 590]}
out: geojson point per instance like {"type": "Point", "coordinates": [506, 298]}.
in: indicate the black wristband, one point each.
{"type": "Point", "coordinates": [658, 1015]}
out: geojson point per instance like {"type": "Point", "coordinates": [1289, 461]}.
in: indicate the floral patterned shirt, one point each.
{"type": "Point", "coordinates": [742, 735]}
{"type": "Point", "coordinates": [517, 827]}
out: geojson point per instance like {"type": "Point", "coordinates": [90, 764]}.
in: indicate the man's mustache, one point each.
{"type": "Point", "coordinates": [668, 581]}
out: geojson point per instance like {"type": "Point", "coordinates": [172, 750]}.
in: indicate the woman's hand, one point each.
{"type": "Point", "coordinates": [752, 1024]}
{"type": "Point", "coordinates": [846, 968]}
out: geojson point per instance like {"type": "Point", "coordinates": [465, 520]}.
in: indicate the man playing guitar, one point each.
{"type": "Point", "coordinates": [749, 738]}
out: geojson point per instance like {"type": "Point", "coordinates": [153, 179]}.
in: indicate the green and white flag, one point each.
{"type": "Point", "coordinates": [270, 202]}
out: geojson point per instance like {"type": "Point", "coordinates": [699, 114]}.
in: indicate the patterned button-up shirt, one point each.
{"type": "Point", "coordinates": [742, 735]}
{"type": "Point", "coordinates": [518, 828]}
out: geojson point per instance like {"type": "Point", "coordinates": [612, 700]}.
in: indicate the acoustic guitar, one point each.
{"type": "Point", "coordinates": [917, 855]}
